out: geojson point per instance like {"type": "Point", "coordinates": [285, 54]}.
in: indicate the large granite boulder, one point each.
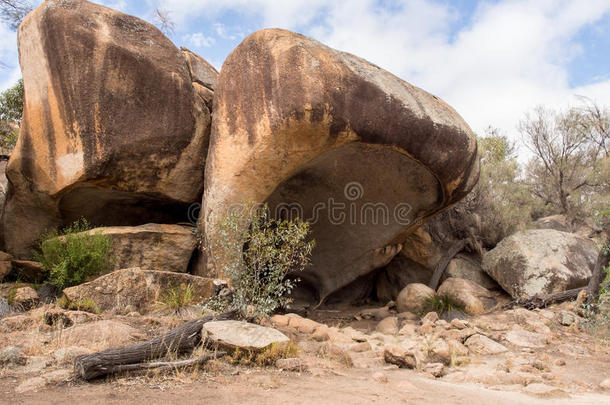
{"type": "Point", "coordinates": [114, 129]}
{"type": "Point", "coordinates": [327, 136]}
{"type": "Point", "coordinates": [474, 298]}
{"type": "Point", "coordinates": [150, 246]}
{"type": "Point", "coordinates": [541, 261]}
{"type": "Point", "coordinates": [136, 289]}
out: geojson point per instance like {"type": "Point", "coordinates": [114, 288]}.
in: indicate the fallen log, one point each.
{"type": "Point", "coordinates": [544, 300]}
{"type": "Point", "coordinates": [164, 365]}
{"type": "Point", "coordinates": [442, 265]}
{"type": "Point", "coordinates": [181, 339]}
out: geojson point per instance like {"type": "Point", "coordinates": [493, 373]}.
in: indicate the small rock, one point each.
{"type": "Point", "coordinates": [439, 353]}
{"type": "Point", "coordinates": [336, 353]}
{"type": "Point", "coordinates": [321, 335]}
{"type": "Point", "coordinates": [566, 318]}
{"type": "Point", "coordinates": [605, 384]}
{"type": "Point", "coordinates": [361, 347]}
{"type": "Point", "coordinates": [47, 293]}
{"type": "Point", "coordinates": [545, 391]}
{"type": "Point", "coordinates": [483, 345]}
{"type": "Point", "coordinates": [58, 376]}
{"type": "Point", "coordinates": [474, 298]}
{"type": "Point", "coordinates": [279, 320]}
{"type": "Point", "coordinates": [398, 356]}
{"type": "Point", "coordinates": [572, 350]}
{"type": "Point", "coordinates": [436, 369]}
{"type": "Point", "coordinates": [376, 313]}
{"type": "Point", "coordinates": [408, 329]}
{"type": "Point", "coordinates": [291, 364]}
{"type": "Point", "coordinates": [26, 298]}
{"type": "Point", "coordinates": [456, 348]}
{"type": "Point", "coordinates": [523, 338]}
{"type": "Point", "coordinates": [389, 326]}
{"type": "Point", "coordinates": [303, 325]}
{"type": "Point", "coordinates": [560, 362]}
{"type": "Point", "coordinates": [5, 308]}
{"type": "Point", "coordinates": [407, 316]}
{"type": "Point", "coordinates": [12, 355]}
{"type": "Point", "coordinates": [458, 324]}
{"type": "Point", "coordinates": [32, 384]}
{"type": "Point", "coordinates": [380, 377]}
{"type": "Point", "coordinates": [430, 317]}
{"type": "Point", "coordinates": [442, 324]}
{"type": "Point", "coordinates": [426, 329]}
{"type": "Point", "coordinates": [68, 354]}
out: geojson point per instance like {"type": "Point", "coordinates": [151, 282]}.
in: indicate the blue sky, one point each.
{"type": "Point", "coordinates": [492, 60]}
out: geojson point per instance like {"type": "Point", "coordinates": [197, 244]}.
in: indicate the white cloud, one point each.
{"type": "Point", "coordinates": [199, 40]}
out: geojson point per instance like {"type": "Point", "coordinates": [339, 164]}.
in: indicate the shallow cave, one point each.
{"type": "Point", "coordinates": [109, 207]}
{"type": "Point", "coordinates": [359, 198]}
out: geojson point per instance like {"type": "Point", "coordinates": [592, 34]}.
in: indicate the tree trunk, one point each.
{"type": "Point", "coordinates": [442, 265]}
{"type": "Point", "coordinates": [181, 339]}
{"type": "Point", "coordinates": [603, 260]}
{"type": "Point", "coordinates": [544, 300]}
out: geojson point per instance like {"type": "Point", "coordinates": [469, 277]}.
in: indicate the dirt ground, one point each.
{"type": "Point", "coordinates": [568, 369]}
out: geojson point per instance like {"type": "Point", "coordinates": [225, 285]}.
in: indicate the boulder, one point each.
{"type": "Point", "coordinates": [139, 289]}
{"type": "Point", "coordinates": [113, 130]}
{"type": "Point", "coordinates": [541, 261]}
{"type": "Point", "coordinates": [475, 299]}
{"type": "Point", "coordinates": [201, 70]}
{"type": "Point", "coordinates": [100, 335]}
{"type": "Point", "coordinates": [321, 134]}
{"type": "Point", "coordinates": [467, 268]}
{"type": "Point", "coordinates": [400, 272]}
{"type": "Point", "coordinates": [388, 326]}
{"type": "Point", "coordinates": [28, 271]}
{"type": "Point", "coordinates": [243, 335]}
{"type": "Point", "coordinates": [150, 246]}
{"type": "Point", "coordinates": [523, 338]}
{"type": "Point", "coordinates": [399, 356]}
{"type": "Point", "coordinates": [413, 298]}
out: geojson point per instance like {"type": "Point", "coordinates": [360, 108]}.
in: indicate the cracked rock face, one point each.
{"type": "Point", "coordinates": [541, 261]}
{"type": "Point", "coordinates": [115, 126]}
{"type": "Point", "coordinates": [327, 136]}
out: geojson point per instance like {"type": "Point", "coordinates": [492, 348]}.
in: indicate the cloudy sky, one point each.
{"type": "Point", "coordinates": [492, 60]}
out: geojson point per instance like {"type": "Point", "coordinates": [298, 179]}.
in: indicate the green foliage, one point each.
{"type": "Point", "coordinates": [261, 252]}
{"type": "Point", "coordinates": [501, 200]}
{"type": "Point", "coordinates": [73, 255]}
{"type": "Point", "coordinates": [176, 298]}
{"type": "Point", "coordinates": [442, 304]}
{"type": "Point", "coordinates": [11, 107]}
{"type": "Point", "coordinates": [84, 304]}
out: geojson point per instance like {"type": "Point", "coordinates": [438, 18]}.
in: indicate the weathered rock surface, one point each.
{"type": "Point", "coordinates": [475, 299]}
{"type": "Point", "coordinates": [113, 128]}
{"type": "Point", "coordinates": [5, 308]}
{"type": "Point", "coordinates": [150, 246]}
{"type": "Point", "coordinates": [25, 298]}
{"type": "Point", "coordinates": [100, 335]}
{"type": "Point", "coordinates": [541, 262]}
{"type": "Point", "coordinates": [137, 288]}
{"type": "Point", "coordinates": [467, 268]}
{"type": "Point", "coordinates": [399, 356]}
{"type": "Point", "coordinates": [413, 298]}
{"type": "Point", "coordinates": [296, 122]}
{"type": "Point", "coordinates": [28, 270]}
{"type": "Point", "coordinates": [243, 335]}
{"type": "Point", "coordinates": [483, 345]}
{"type": "Point", "coordinates": [12, 355]}
{"type": "Point", "coordinates": [523, 338]}
{"type": "Point", "coordinates": [5, 263]}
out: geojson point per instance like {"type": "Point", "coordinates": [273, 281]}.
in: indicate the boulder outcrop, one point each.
{"type": "Point", "coordinates": [541, 261]}
{"type": "Point", "coordinates": [137, 289]}
{"type": "Point", "coordinates": [327, 136]}
{"type": "Point", "coordinates": [115, 127]}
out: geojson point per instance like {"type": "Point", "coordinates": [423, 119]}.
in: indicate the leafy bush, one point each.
{"type": "Point", "coordinates": [442, 304]}
{"type": "Point", "coordinates": [72, 255]}
{"type": "Point", "coordinates": [261, 252]}
{"type": "Point", "coordinates": [11, 108]}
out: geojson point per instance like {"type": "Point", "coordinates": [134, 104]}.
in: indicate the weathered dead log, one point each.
{"type": "Point", "coordinates": [544, 300]}
{"type": "Point", "coordinates": [444, 262]}
{"type": "Point", "coordinates": [181, 339]}
{"type": "Point", "coordinates": [164, 365]}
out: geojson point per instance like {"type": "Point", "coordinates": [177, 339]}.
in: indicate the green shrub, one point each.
{"type": "Point", "coordinates": [72, 256]}
{"type": "Point", "coordinates": [442, 304]}
{"type": "Point", "coordinates": [84, 304]}
{"type": "Point", "coordinates": [262, 251]}
{"type": "Point", "coordinates": [266, 357]}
